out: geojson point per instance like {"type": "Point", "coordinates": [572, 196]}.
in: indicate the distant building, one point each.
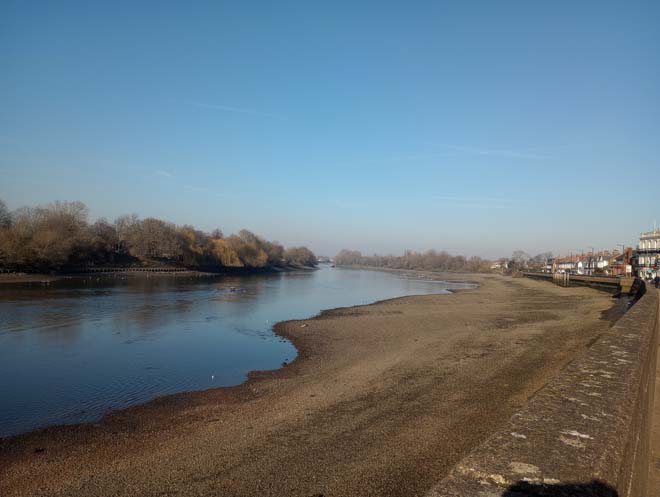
{"type": "Point", "coordinates": [573, 264]}
{"type": "Point", "coordinates": [621, 264]}
{"type": "Point", "coordinates": [500, 265]}
{"type": "Point", "coordinates": [590, 263]}
{"type": "Point", "coordinates": [549, 264]}
{"type": "Point", "coordinates": [648, 255]}
{"type": "Point", "coordinates": [603, 261]}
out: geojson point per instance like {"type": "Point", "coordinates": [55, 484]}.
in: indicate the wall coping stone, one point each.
{"type": "Point", "coordinates": [589, 425]}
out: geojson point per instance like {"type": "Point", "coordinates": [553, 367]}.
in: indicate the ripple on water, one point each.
{"type": "Point", "coordinates": [71, 354]}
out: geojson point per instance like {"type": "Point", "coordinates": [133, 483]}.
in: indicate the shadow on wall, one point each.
{"type": "Point", "coordinates": [594, 489]}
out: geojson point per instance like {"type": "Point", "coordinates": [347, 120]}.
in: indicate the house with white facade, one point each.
{"type": "Point", "coordinates": [648, 255]}
{"type": "Point", "coordinates": [573, 265]}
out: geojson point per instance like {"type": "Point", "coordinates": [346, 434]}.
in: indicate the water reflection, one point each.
{"type": "Point", "coordinates": [74, 350]}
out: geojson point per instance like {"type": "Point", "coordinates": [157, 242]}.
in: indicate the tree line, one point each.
{"type": "Point", "coordinates": [429, 260]}
{"type": "Point", "coordinates": [59, 236]}
{"type": "Point", "coordinates": [521, 259]}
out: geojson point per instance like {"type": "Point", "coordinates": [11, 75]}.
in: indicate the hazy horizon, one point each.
{"type": "Point", "coordinates": [370, 127]}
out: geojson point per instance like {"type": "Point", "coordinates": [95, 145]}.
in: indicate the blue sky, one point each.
{"type": "Point", "coordinates": [475, 127]}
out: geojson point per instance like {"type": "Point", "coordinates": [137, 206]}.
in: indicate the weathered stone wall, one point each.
{"type": "Point", "coordinates": [585, 433]}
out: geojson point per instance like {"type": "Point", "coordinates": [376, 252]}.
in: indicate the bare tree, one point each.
{"type": "Point", "coordinates": [50, 237]}
{"type": "Point", "coordinates": [429, 260]}
{"type": "Point", "coordinates": [224, 254]}
{"type": "Point", "coordinates": [542, 258]}
{"type": "Point", "coordinates": [301, 256]}
{"type": "Point", "coordinates": [105, 242]}
{"type": "Point", "coordinates": [125, 226]}
{"type": "Point", "coordinates": [5, 216]}
{"type": "Point", "coordinates": [520, 257]}
{"type": "Point", "coordinates": [248, 248]}
{"type": "Point", "coordinates": [153, 238]}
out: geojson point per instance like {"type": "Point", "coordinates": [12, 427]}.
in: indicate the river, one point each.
{"type": "Point", "coordinates": [73, 350]}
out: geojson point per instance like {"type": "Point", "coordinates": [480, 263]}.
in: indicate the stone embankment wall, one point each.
{"type": "Point", "coordinates": [586, 432]}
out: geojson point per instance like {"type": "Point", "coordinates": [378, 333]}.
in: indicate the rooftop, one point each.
{"type": "Point", "coordinates": [650, 234]}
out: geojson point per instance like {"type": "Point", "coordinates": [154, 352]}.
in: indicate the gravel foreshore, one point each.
{"type": "Point", "coordinates": [382, 400]}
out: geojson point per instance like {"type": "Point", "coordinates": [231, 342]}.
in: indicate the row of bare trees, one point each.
{"type": "Point", "coordinates": [521, 259]}
{"type": "Point", "coordinates": [59, 235]}
{"type": "Point", "coordinates": [429, 260]}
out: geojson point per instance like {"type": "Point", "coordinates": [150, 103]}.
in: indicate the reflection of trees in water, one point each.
{"type": "Point", "coordinates": [186, 327]}
{"type": "Point", "coordinates": [61, 312]}
{"type": "Point", "coordinates": [50, 325]}
{"type": "Point", "coordinates": [162, 299]}
{"type": "Point", "coordinates": [237, 289]}
{"type": "Point", "coordinates": [62, 335]}
{"type": "Point", "coordinates": [152, 313]}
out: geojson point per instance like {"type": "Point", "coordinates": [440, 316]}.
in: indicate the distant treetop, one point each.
{"type": "Point", "coordinates": [59, 235]}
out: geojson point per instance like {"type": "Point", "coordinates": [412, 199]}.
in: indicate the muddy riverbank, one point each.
{"type": "Point", "coordinates": [382, 400]}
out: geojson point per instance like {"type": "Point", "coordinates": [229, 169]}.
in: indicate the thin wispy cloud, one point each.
{"type": "Point", "coordinates": [476, 205]}
{"type": "Point", "coordinates": [349, 204]}
{"type": "Point", "coordinates": [238, 110]}
{"type": "Point", "coordinates": [458, 198]}
{"type": "Point", "coordinates": [475, 202]}
{"type": "Point", "coordinates": [153, 174]}
{"type": "Point", "coordinates": [196, 188]}
{"type": "Point", "coordinates": [209, 191]}
{"type": "Point", "coordinates": [404, 158]}
{"type": "Point", "coordinates": [517, 154]}
{"type": "Point", "coordinates": [457, 151]}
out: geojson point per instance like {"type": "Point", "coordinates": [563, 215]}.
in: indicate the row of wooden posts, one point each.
{"type": "Point", "coordinates": [563, 279]}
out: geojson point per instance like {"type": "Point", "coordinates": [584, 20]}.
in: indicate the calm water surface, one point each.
{"type": "Point", "coordinates": [74, 350]}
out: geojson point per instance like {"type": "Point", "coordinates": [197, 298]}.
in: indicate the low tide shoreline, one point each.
{"type": "Point", "coordinates": [381, 398]}
{"type": "Point", "coordinates": [280, 329]}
